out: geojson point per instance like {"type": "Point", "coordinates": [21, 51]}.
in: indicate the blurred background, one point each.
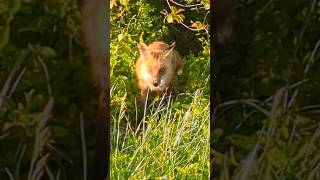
{"type": "Point", "coordinates": [266, 111]}
{"type": "Point", "coordinates": [46, 91]}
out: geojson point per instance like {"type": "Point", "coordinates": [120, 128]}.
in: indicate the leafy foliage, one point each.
{"type": "Point", "coordinates": [45, 85]}
{"type": "Point", "coordinates": [267, 119]}
{"type": "Point", "coordinates": [173, 139]}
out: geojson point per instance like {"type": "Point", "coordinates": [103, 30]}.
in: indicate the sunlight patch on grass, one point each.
{"type": "Point", "coordinates": [171, 142]}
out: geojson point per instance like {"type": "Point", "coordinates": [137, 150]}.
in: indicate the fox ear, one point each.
{"type": "Point", "coordinates": [170, 48]}
{"type": "Point", "coordinates": [173, 45]}
{"type": "Point", "coordinates": [143, 49]}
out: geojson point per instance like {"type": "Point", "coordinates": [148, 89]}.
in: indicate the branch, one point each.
{"type": "Point", "coordinates": [187, 6]}
{"type": "Point", "coordinates": [192, 29]}
{"type": "Point", "coordinates": [194, 5]}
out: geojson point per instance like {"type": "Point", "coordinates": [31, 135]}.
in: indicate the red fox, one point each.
{"type": "Point", "coordinates": [155, 69]}
{"type": "Point", "coordinates": [94, 20]}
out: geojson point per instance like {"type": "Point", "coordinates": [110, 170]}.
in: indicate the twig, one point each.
{"type": "Point", "coordinates": [187, 6]}
{"type": "Point", "coordinates": [192, 29]}
{"type": "Point", "coordinates": [186, 26]}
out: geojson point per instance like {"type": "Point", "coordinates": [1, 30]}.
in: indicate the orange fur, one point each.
{"type": "Point", "coordinates": [155, 68]}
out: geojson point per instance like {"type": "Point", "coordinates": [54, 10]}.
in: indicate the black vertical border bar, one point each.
{"type": "Point", "coordinates": [212, 60]}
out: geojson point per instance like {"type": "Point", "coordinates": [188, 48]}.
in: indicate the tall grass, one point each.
{"type": "Point", "coordinates": [171, 142]}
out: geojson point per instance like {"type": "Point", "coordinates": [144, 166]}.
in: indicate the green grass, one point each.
{"type": "Point", "coordinates": [48, 103]}
{"type": "Point", "coordinates": [170, 142]}
{"type": "Point", "coordinates": [268, 127]}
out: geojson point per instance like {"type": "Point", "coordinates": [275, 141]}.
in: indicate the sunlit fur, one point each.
{"type": "Point", "coordinates": [158, 64]}
{"type": "Point", "coordinates": [156, 56]}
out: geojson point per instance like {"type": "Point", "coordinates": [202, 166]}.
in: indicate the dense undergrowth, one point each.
{"type": "Point", "coordinates": [45, 92]}
{"type": "Point", "coordinates": [172, 141]}
{"type": "Point", "coordinates": [266, 122]}
{"type": "Point", "coordinates": [266, 85]}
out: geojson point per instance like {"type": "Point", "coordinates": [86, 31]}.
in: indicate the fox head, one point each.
{"type": "Point", "coordinates": [157, 67]}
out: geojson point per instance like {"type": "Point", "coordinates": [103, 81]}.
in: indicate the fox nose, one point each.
{"type": "Point", "coordinates": [155, 83]}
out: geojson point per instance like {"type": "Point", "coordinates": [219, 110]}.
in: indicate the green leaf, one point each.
{"type": "Point", "coordinates": [169, 18]}
{"type": "Point", "coordinates": [59, 131]}
{"type": "Point", "coordinates": [207, 6]}
{"type": "Point", "coordinates": [16, 6]}
{"type": "Point", "coordinates": [124, 2]}
{"type": "Point", "coordinates": [242, 141]}
{"type": "Point", "coordinates": [141, 37]}
{"type": "Point", "coordinates": [5, 37]}
{"type": "Point", "coordinates": [217, 133]}
{"type": "Point", "coordinates": [164, 12]}
{"type": "Point", "coordinates": [3, 8]}
{"type": "Point", "coordinates": [302, 120]}
{"type": "Point", "coordinates": [120, 37]}
{"type": "Point", "coordinates": [48, 52]}
{"type": "Point", "coordinates": [179, 11]}
{"type": "Point", "coordinates": [284, 132]}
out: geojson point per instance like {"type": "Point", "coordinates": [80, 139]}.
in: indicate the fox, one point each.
{"type": "Point", "coordinates": [155, 68]}
{"type": "Point", "coordinates": [94, 18]}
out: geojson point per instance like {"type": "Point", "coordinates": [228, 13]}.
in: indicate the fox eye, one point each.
{"type": "Point", "coordinates": [162, 70]}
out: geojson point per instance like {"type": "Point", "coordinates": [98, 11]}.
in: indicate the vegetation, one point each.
{"type": "Point", "coordinates": [266, 85]}
{"type": "Point", "coordinates": [47, 103]}
{"type": "Point", "coordinates": [45, 92]}
{"type": "Point", "coordinates": [172, 141]}
{"type": "Point", "coordinates": [267, 122]}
